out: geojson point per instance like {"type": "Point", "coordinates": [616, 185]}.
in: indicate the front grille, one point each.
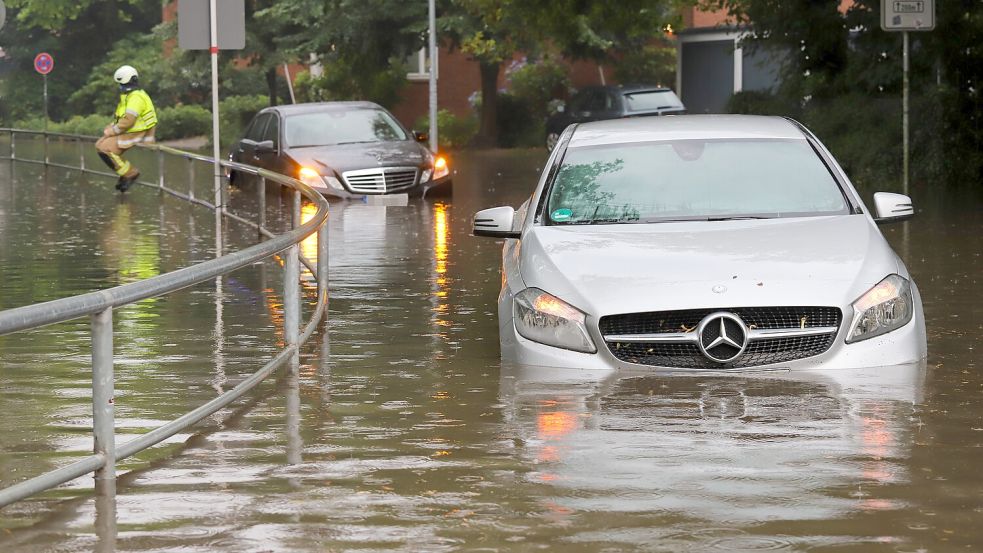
{"type": "Point", "coordinates": [687, 354]}
{"type": "Point", "coordinates": [380, 180]}
{"type": "Point", "coordinates": [688, 319]}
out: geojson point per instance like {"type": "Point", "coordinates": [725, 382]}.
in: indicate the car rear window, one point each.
{"type": "Point", "coordinates": [692, 180]}
{"type": "Point", "coordinates": [652, 100]}
{"type": "Point", "coordinates": [353, 126]}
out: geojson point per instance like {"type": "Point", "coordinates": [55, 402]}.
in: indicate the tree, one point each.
{"type": "Point", "coordinates": [832, 53]}
{"type": "Point", "coordinates": [65, 29]}
{"type": "Point", "coordinates": [492, 31]}
{"type": "Point", "coordinates": [360, 43]}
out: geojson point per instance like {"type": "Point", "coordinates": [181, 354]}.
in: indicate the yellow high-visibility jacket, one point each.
{"type": "Point", "coordinates": [138, 103]}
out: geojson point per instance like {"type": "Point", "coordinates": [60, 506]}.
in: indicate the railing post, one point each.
{"type": "Point", "coordinates": [191, 178]}
{"type": "Point", "coordinates": [81, 144]}
{"type": "Point", "coordinates": [261, 200]}
{"type": "Point", "coordinates": [13, 145]}
{"type": "Point", "coordinates": [103, 422]}
{"type": "Point", "coordinates": [291, 282]}
{"type": "Point", "coordinates": [160, 169]}
{"type": "Point", "coordinates": [45, 134]}
{"type": "Point", "coordinates": [322, 265]}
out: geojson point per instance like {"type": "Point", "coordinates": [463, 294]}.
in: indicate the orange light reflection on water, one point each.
{"type": "Point", "coordinates": [441, 238]}
{"type": "Point", "coordinates": [308, 248]}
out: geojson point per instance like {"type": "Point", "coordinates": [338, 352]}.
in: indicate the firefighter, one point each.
{"type": "Point", "coordinates": [135, 122]}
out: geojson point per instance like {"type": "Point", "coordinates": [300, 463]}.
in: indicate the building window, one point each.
{"type": "Point", "coordinates": [419, 64]}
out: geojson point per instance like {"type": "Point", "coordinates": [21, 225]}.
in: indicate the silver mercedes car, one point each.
{"type": "Point", "coordinates": [701, 243]}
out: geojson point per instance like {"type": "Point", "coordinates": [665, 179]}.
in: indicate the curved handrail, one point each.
{"type": "Point", "coordinates": [99, 306]}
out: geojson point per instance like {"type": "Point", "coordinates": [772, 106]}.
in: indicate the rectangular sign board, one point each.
{"type": "Point", "coordinates": [193, 24]}
{"type": "Point", "coordinates": [907, 15]}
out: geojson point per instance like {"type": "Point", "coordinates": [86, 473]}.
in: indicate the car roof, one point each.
{"type": "Point", "coordinates": [683, 127]}
{"type": "Point", "coordinates": [311, 107]}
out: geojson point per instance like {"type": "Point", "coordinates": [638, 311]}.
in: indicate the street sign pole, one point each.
{"type": "Point", "coordinates": [45, 95]}
{"type": "Point", "coordinates": [904, 16]}
{"type": "Point", "coordinates": [904, 112]}
{"type": "Point", "coordinates": [433, 75]}
{"type": "Point", "coordinates": [213, 49]}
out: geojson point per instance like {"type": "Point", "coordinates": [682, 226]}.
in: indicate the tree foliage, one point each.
{"type": "Point", "coordinates": [492, 31]}
{"type": "Point", "coordinates": [77, 33]}
{"type": "Point", "coordinates": [832, 54]}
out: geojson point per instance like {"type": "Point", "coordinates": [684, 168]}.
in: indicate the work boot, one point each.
{"type": "Point", "coordinates": [119, 184]}
{"type": "Point", "coordinates": [126, 181]}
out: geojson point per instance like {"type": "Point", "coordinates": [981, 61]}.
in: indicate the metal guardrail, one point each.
{"type": "Point", "coordinates": [99, 306]}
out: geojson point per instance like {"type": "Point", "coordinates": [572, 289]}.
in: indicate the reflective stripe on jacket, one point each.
{"type": "Point", "coordinates": [139, 104]}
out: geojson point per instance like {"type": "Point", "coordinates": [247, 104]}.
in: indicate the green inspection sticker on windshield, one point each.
{"type": "Point", "coordinates": [562, 214]}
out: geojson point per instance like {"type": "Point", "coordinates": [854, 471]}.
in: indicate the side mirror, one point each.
{"type": "Point", "coordinates": [265, 147]}
{"type": "Point", "coordinates": [891, 208]}
{"type": "Point", "coordinates": [495, 222]}
{"type": "Point", "coordinates": [421, 136]}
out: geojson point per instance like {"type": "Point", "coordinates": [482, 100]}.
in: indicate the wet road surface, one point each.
{"type": "Point", "coordinates": [403, 431]}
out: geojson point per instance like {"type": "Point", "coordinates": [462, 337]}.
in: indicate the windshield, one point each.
{"type": "Point", "coordinates": [655, 99]}
{"type": "Point", "coordinates": [692, 180]}
{"type": "Point", "coordinates": [328, 128]}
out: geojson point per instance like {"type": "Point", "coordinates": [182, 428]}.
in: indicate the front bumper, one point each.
{"type": "Point", "coordinates": [905, 345]}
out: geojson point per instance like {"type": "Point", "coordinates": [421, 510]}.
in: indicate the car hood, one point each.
{"type": "Point", "coordinates": [349, 157]}
{"type": "Point", "coordinates": [606, 269]}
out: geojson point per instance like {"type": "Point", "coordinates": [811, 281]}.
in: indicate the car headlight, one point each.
{"type": "Point", "coordinates": [546, 319]}
{"type": "Point", "coordinates": [885, 307]}
{"type": "Point", "coordinates": [312, 178]}
{"type": "Point", "coordinates": [440, 168]}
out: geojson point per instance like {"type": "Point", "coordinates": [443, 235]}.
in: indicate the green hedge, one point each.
{"type": "Point", "coordinates": [864, 132]}
{"type": "Point", "coordinates": [174, 122]}
{"type": "Point", "coordinates": [452, 131]}
{"type": "Point", "coordinates": [183, 122]}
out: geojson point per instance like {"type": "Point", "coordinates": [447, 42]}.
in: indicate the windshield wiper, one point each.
{"type": "Point", "coordinates": [738, 218]}
{"type": "Point", "coordinates": [354, 142]}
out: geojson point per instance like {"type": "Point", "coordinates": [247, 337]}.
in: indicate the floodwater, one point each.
{"type": "Point", "coordinates": [402, 431]}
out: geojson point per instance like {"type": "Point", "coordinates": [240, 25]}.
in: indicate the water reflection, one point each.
{"type": "Point", "coordinates": [726, 452]}
{"type": "Point", "coordinates": [398, 431]}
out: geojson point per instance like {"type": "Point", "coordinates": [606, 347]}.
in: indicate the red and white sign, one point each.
{"type": "Point", "coordinates": [44, 63]}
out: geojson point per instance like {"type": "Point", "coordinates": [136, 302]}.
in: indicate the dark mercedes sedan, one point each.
{"type": "Point", "coordinates": [342, 149]}
{"type": "Point", "coordinates": [597, 103]}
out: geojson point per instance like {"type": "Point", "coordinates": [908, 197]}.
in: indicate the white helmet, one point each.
{"type": "Point", "coordinates": [125, 74]}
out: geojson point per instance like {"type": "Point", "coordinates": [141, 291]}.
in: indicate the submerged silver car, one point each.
{"type": "Point", "coordinates": [701, 243]}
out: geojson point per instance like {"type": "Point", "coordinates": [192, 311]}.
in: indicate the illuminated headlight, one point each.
{"type": "Point", "coordinates": [546, 319]}
{"type": "Point", "coordinates": [440, 168]}
{"type": "Point", "coordinates": [883, 308]}
{"type": "Point", "coordinates": [312, 178]}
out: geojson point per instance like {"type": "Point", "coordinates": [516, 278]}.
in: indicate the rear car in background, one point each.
{"type": "Point", "coordinates": [341, 149]}
{"type": "Point", "coordinates": [597, 103]}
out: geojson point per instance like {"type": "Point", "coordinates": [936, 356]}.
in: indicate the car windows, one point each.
{"type": "Point", "coordinates": [692, 179]}
{"type": "Point", "coordinates": [652, 100]}
{"type": "Point", "coordinates": [611, 101]}
{"type": "Point", "coordinates": [257, 127]}
{"type": "Point", "coordinates": [272, 131]}
{"type": "Point", "coordinates": [327, 128]}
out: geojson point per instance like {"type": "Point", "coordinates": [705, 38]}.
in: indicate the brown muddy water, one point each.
{"type": "Point", "coordinates": [404, 432]}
